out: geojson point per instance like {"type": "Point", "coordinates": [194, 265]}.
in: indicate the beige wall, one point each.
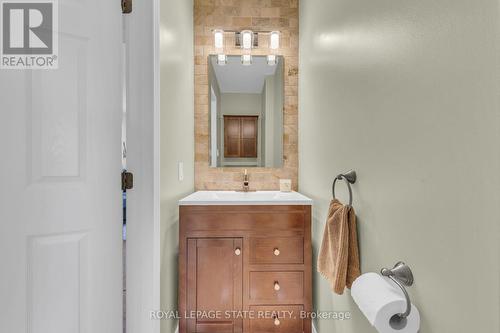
{"type": "Point", "coordinates": [241, 104]}
{"type": "Point", "coordinates": [257, 15]}
{"type": "Point", "coordinates": [405, 92]}
{"type": "Point", "coordinates": [177, 136]}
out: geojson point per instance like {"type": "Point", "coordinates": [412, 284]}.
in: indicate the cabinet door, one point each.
{"type": "Point", "coordinates": [232, 135]}
{"type": "Point", "coordinates": [249, 136]}
{"type": "Point", "coordinates": [240, 136]}
{"type": "Point", "coordinates": [214, 285]}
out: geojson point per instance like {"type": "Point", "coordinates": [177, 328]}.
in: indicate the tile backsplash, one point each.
{"type": "Point", "coordinates": [256, 15]}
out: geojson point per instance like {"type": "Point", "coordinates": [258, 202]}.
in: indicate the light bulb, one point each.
{"type": "Point", "coordinates": [246, 39]}
{"type": "Point", "coordinates": [219, 39]}
{"type": "Point", "coordinates": [271, 60]}
{"type": "Point", "coordinates": [221, 59]}
{"type": "Point", "coordinates": [274, 40]}
{"type": "Point", "coordinates": [246, 59]}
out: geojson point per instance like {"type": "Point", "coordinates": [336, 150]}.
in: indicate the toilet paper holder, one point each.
{"type": "Point", "coordinates": [401, 275]}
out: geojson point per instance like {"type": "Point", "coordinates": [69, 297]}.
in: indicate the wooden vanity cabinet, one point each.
{"type": "Point", "coordinates": [245, 269]}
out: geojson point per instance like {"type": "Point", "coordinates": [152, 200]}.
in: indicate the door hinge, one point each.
{"type": "Point", "coordinates": [126, 6]}
{"type": "Point", "coordinates": [127, 180]}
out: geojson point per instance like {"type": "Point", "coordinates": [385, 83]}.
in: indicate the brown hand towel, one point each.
{"type": "Point", "coordinates": [338, 259]}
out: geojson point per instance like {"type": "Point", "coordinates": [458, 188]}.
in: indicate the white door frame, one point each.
{"type": "Point", "coordinates": [143, 159]}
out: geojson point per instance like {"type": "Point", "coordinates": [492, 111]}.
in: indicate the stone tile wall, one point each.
{"type": "Point", "coordinates": [256, 15]}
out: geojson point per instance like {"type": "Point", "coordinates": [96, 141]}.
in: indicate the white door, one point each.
{"type": "Point", "coordinates": [60, 198]}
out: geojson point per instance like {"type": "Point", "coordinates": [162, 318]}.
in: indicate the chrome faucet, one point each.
{"type": "Point", "coordinates": [246, 183]}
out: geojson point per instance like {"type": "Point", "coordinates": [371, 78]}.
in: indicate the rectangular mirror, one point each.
{"type": "Point", "coordinates": [246, 112]}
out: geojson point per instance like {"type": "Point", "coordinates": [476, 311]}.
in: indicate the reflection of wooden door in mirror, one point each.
{"type": "Point", "coordinates": [240, 136]}
{"type": "Point", "coordinates": [232, 134]}
{"type": "Point", "coordinates": [248, 136]}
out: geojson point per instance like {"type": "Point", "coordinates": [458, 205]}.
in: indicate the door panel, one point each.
{"type": "Point", "coordinates": [232, 136]}
{"type": "Point", "coordinates": [233, 126]}
{"type": "Point", "coordinates": [56, 264]}
{"type": "Point", "coordinates": [249, 136]}
{"type": "Point", "coordinates": [214, 257]}
{"type": "Point", "coordinates": [214, 284]}
{"type": "Point", "coordinates": [232, 147]}
{"type": "Point", "coordinates": [60, 207]}
{"type": "Point", "coordinates": [249, 148]}
{"type": "Point", "coordinates": [248, 127]}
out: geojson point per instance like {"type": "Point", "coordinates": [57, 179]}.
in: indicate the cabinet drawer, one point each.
{"type": "Point", "coordinates": [274, 319]}
{"type": "Point", "coordinates": [286, 250]}
{"type": "Point", "coordinates": [276, 287]}
{"type": "Point", "coordinates": [254, 219]}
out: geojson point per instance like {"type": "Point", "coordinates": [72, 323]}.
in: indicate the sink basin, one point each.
{"type": "Point", "coordinates": [239, 196]}
{"type": "Point", "coordinates": [245, 198]}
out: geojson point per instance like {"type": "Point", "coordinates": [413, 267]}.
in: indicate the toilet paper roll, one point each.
{"type": "Point", "coordinates": [379, 299]}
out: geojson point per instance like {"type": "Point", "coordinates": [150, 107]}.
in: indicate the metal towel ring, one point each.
{"type": "Point", "coordinates": [349, 178]}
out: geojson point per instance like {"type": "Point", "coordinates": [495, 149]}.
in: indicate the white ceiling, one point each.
{"type": "Point", "coordinates": [236, 78]}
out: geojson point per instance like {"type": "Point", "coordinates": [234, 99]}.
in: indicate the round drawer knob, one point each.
{"type": "Point", "coordinates": [237, 251]}
{"type": "Point", "coordinates": [277, 285]}
{"type": "Point", "coordinates": [277, 321]}
{"type": "Point", "coordinates": [276, 252]}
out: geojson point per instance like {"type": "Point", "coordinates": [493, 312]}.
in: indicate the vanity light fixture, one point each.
{"type": "Point", "coordinates": [246, 39]}
{"type": "Point", "coordinates": [271, 60]}
{"type": "Point", "coordinates": [219, 47]}
{"type": "Point", "coordinates": [219, 39]}
{"type": "Point", "coordinates": [274, 44]}
{"type": "Point", "coordinates": [221, 59]}
{"type": "Point", "coordinates": [246, 59]}
{"type": "Point", "coordinates": [274, 40]}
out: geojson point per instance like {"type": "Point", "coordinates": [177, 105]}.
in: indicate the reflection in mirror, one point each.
{"type": "Point", "coordinates": [246, 112]}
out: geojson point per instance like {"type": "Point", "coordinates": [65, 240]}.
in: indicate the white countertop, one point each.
{"type": "Point", "coordinates": [245, 198]}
